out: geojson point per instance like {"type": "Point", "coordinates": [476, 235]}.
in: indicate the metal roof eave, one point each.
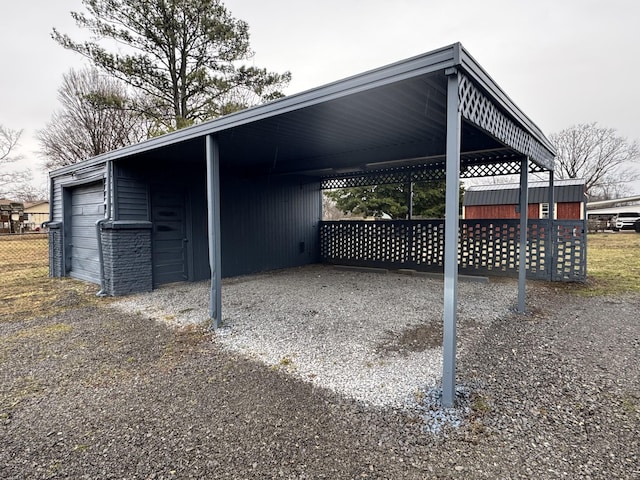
{"type": "Point", "coordinates": [437, 60]}
{"type": "Point", "coordinates": [419, 65]}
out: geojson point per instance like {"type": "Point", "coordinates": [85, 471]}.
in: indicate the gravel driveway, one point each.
{"type": "Point", "coordinates": [373, 337]}
{"type": "Point", "coordinates": [101, 392]}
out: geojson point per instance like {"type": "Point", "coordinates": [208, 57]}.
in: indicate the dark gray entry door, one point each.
{"type": "Point", "coordinates": [168, 214]}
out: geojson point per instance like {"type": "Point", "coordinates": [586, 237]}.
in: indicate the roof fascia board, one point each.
{"type": "Point", "coordinates": [473, 69]}
{"type": "Point", "coordinates": [419, 65]}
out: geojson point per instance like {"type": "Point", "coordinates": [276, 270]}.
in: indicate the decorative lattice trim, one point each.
{"type": "Point", "coordinates": [479, 110]}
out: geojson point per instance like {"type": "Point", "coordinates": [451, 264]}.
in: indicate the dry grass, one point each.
{"type": "Point", "coordinates": [26, 290]}
{"type": "Point", "coordinates": [613, 264]}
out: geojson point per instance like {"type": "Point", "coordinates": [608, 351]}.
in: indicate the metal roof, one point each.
{"type": "Point", "coordinates": [565, 191]}
{"type": "Point", "coordinates": [395, 113]}
{"type": "Point", "coordinates": [614, 201]}
{"type": "Point", "coordinates": [613, 210]}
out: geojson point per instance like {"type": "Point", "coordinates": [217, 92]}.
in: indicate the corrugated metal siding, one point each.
{"type": "Point", "coordinates": [482, 212]}
{"type": "Point", "coordinates": [568, 211]}
{"type": "Point", "coordinates": [569, 194]}
{"type": "Point", "coordinates": [131, 189]}
{"type": "Point", "coordinates": [268, 225]}
{"type": "Point", "coordinates": [511, 196]}
{"type": "Point", "coordinates": [56, 201]}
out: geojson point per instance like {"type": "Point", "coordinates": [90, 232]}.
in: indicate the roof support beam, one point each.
{"type": "Point", "coordinates": [213, 214]}
{"type": "Point", "coordinates": [550, 255]}
{"type": "Point", "coordinates": [524, 218]}
{"type": "Point", "coordinates": [451, 228]}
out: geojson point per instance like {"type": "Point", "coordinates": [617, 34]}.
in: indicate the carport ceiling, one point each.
{"type": "Point", "coordinates": [404, 122]}
{"type": "Point", "coordinates": [391, 116]}
{"type": "Point", "coordinates": [401, 120]}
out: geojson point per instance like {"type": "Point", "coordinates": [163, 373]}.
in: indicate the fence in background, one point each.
{"type": "Point", "coordinates": [555, 251]}
{"type": "Point", "coordinates": [487, 247]}
{"type": "Point", "coordinates": [23, 256]}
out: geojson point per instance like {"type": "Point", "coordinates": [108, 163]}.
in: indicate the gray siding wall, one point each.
{"type": "Point", "coordinates": [268, 224]}
{"type": "Point", "coordinates": [131, 194]}
{"type": "Point", "coordinates": [133, 185]}
{"type": "Point", "coordinates": [85, 176]}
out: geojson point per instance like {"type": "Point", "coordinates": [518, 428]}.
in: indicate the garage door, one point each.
{"type": "Point", "coordinates": [87, 207]}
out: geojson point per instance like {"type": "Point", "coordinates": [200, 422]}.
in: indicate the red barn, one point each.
{"type": "Point", "coordinates": [502, 201]}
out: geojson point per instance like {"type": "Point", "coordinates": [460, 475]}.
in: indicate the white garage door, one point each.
{"type": "Point", "coordinates": [87, 207]}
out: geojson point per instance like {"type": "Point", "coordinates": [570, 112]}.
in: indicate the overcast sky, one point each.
{"type": "Point", "coordinates": [562, 62]}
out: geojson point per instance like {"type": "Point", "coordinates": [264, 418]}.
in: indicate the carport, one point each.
{"type": "Point", "coordinates": [435, 116]}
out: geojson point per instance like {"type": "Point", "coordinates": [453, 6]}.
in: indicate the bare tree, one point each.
{"type": "Point", "coordinates": [605, 160]}
{"type": "Point", "coordinates": [96, 117]}
{"type": "Point", "coordinates": [28, 192]}
{"type": "Point", "coordinates": [9, 178]}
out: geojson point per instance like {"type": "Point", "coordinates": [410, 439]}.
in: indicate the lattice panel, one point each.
{"type": "Point", "coordinates": [538, 236]}
{"type": "Point", "coordinates": [486, 247]}
{"type": "Point", "coordinates": [366, 243]}
{"type": "Point", "coordinates": [570, 250]}
{"type": "Point", "coordinates": [431, 173]}
{"type": "Point", "coordinates": [490, 170]}
{"type": "Point", "coordinates": [479, 110]}
{"type": "Point", "coordinates": [489, 247]}
{"type": "Point", "coordinates": [425, 173]}
{"type": "Point", "coordinates": [428, 245]}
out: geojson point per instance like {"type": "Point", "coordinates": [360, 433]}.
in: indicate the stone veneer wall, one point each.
{"type": "Point", "coordinates": [126, 253]}
{"type": "Point", "coordinates": [56, 250]}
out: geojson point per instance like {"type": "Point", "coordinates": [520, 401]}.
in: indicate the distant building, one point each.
{"type": "Point", "coordinates": [607, 209]}
{"type": "Point", "coordinates": [36, 213]}
{"type": "Point", "coordinates": [502, 201]}
{"type": "Point", "coordinates": [11, 216]}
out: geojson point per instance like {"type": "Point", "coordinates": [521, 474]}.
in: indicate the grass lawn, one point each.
{"type": "Point", "coordinates": [26, 291]}
{"type": "Point", "coordinates": [613, 264]}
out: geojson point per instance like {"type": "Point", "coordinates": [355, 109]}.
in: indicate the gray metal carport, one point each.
{"type": "Point", "coordinates": [435, 116]}
{"type": "Point", "coordinates": [432, 113]}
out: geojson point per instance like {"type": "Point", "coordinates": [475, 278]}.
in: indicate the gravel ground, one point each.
{"type": "Point", "coordinates": [97, 392]}
{"type": "Point", "coordinates": [376, 338]}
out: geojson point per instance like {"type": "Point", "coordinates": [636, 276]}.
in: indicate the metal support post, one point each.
{"type": "Point", "coordinates": [550, 237]}
{"type": "Point", "coordinates": [451, 228]}
{"type": "Point", "coordinates": [524, 214]}
{"type": "Point", "coordinates": [213, 211]}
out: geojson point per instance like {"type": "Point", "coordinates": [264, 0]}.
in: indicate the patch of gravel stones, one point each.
{"type": "Point", "coordinates": [356, 333]}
